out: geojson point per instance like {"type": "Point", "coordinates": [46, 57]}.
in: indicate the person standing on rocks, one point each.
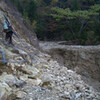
{"type": "Point", "coordinates": [8, 30]}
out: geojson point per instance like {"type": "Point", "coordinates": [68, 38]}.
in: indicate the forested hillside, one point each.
{"type": "Point", "coordinates": [77, 21]}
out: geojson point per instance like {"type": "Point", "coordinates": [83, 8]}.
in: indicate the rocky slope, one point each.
{"type": "Point", "coordinates": [28, 74]}
{"type": "Point", "coordinates": [41, 78]}
{"type": "Point", "coordinates": [84, 60]}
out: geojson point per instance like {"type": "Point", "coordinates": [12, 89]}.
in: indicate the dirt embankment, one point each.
{"type": "Point", "coordinates": [85, 60]}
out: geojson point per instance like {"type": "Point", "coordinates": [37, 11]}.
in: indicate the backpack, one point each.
{"type": "Point", "coordinates": [6, 27]}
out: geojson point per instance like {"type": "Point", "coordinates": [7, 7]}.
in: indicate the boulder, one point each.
{"type": "Point", "coordinates": [47, 79]}
{"type": "Point", "coordinates": [31, 71]}
{"type": "Point", "coordinates": [5, 91]}
{"type": "Point", "coordinates": [11, 80]}
{"type": "Point", "coordinates": [20, 94]}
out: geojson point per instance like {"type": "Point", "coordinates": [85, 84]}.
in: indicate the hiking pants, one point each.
{"type": "Point", "coordinates": [9, 37]}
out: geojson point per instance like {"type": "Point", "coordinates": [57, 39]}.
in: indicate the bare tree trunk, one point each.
{"type": "Point", "coordinates": [83, 26]}
{"type": "Point", "coordinates": [74, 34]}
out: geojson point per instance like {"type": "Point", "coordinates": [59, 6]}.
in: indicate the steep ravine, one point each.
{"type": "Point", "coordinates": [29, 74]}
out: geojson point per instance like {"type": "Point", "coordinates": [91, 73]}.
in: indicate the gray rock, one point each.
{"type": "Point", "coordinates": [5, 90]}
{"type": "Point", "coordinates": [11, 80]}
{"type": "Point", "coordinates": [20, 94]}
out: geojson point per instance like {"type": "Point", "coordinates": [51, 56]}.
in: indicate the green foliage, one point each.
{"type": "Point", "coordinates": [98, 1]}
{"type": "Point", "coordinates": [75, 5]}
{"type": "Point", "coordinates": [83, 38]}
{"type": "Point", "coordinates": [39, 31]}
{"type": "Point", "coordinates": [47, 2]}
{"type": "Point", "coordinates": [80, 18]}
{"type": "Point", "coordinates": [68, 36]}
{"type": "Point", "coordinates": [71, 20]}
{"type": "Point", "coordinates": [28, 8]}
{"type": "Point", "coordinates": [68, 14]}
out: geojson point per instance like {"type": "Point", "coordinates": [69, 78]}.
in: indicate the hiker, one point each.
{"type": "Point", "coordinates": [8, 30]}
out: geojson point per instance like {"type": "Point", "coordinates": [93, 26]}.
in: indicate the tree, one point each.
{"type": "Point", "coordinates": [77, 21]}
{"type": "Point", "coordinates": [75, 5]}
{"type": "Point", "coordinates": [28, 8]}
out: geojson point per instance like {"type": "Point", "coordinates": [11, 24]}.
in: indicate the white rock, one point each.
{"type": "Point", "coordinates": [46, 77]}
{"type": "Point", "coordinates": [77, 95]}
{"type": "Point", "coordinates": [4, 89]}
{"type": "Point", "coordinates": [20, 94]}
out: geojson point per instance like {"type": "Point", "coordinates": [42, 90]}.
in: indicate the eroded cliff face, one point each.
{"type": "Point", "coordinates": [85, 60]}
{"type": "Point", "coordinates": [28, 74]}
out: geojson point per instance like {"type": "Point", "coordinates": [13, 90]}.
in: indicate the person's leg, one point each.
{"type": "Point", "coordinates": [10, 37]}
{"type": "Point", "coordinates": [7, 36]}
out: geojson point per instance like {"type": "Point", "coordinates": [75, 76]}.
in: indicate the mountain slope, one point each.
{"type": "Point", "coordinates": [29, 74]}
